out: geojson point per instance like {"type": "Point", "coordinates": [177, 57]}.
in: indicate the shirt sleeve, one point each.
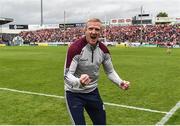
{"type": "Point", "coordinates": [70, 68]}
{"type": "Point", "coordinates": [109, 70]}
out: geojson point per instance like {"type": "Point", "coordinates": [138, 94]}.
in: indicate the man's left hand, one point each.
{"type": "Point", "coordinates": [125, 85]}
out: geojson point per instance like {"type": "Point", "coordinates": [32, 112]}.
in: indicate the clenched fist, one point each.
{"type": "Point", "coordinates": [85, 79]}
{"type": "Point", "coordinates": [125, 85]}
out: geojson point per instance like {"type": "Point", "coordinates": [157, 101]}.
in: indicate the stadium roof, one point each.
{"type": "Point", "coordinates": [5, 20]}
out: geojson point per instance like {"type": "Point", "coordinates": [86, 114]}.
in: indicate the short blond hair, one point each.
{"type": "Point", "coordinates": [92, 20]}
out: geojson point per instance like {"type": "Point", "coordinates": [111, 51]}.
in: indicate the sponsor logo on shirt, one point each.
{"type": "Point", "coordinates": [84, 59]}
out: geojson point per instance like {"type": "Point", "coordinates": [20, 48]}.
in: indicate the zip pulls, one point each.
{"type": "Point", "coordinates": [92, 47]}
{"type": "Point", "coordinates": [92, 56]}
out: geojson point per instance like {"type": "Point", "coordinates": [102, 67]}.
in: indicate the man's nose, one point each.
{"type": "Point", "coordinates": [93, 31]}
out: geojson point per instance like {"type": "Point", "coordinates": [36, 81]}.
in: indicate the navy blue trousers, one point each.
{"type": "Point", "coordinates": [91, 102]}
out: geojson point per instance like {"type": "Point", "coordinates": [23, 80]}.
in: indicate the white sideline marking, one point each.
{"type": "Point", "coordinates": [32, 93]}
{"type": "Point", "coordinates": [62, 97]}
{"type": "Point", "coordinates": [169, 114]}
{"type": "Point", "coordinates": [137, 108]}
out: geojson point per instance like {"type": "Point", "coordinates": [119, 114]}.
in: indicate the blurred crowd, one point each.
{"type": "Point", "coordinates": [5, 38]}
{"type": "Point", "coordinates": [148, 33]}
{"type": "Point", "coordinates": [52, 35]}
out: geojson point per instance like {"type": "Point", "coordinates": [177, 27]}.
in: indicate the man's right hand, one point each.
{"type": "Point", "coordinates": [85, 79]}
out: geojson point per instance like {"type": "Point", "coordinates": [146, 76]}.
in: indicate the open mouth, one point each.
{"type": "Point", "coordinates": [93, 37]}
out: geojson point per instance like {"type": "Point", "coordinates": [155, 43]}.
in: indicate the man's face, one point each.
{"type": "Point", "coordinates": [92, 32]}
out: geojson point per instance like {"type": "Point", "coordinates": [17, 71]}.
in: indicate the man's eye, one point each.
{"type": "Point", "coordinates": [97, 29]}
{"type": "Point", "coordinates": [90, 29]}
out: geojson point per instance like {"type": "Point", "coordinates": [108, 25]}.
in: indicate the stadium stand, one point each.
{"type": "Point", "coordinates": [5, 38]}
{"type": "Point", "coordinates": [5, 20]}
{"type": "Point", "coordinates": [155, 34]}
{"type": "Point", "coordinates": [158, 34]}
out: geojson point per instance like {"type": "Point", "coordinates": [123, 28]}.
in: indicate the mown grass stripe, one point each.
{"type": "Point", "coordinates": [62, 97]}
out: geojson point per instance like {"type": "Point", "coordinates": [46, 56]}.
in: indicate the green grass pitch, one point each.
{"type": "Point", "coordinates": [154, 77]}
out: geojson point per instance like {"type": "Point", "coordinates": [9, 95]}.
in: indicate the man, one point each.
{"type": "Point", "coordinates": [169, 46]}
{"type": "Point", "coordinates": [83, 61]}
